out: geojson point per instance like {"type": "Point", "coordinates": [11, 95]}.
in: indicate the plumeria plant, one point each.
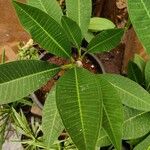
{"type": "Point", "coordinates": [90, 107]}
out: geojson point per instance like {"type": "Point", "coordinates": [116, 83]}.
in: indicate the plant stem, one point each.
{"type": "Point", "coordinates": [68, 66]}
{"type": "Point", "coordinates": [79, 51]}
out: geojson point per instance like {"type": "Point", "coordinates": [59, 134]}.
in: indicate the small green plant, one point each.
{"type": "Point", "coordinates": [27, 51]}
{"type": "Point", "coordinates": [89, 106]}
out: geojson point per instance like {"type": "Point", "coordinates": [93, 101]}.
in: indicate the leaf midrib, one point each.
{"type": "Point", "coordinates": [128, 93]}
{"type": "Point", "coordinates": [107, 117]}
{"type": "Point", "coordinates": [79, 104]}
{"type": "Point", "coordinates": [71, 34]}
{"type": "Point", "coordinates": [40, 1]}
{"type": "Point", "coordinates": [148, 13]}
{"type": "Point", "coordinates": [27, 76]}
{"type": "Point", "coordinates": [110, 126]}
{"type": "Point", "coordinates": [53, 124]}
{"type": "Point", "coordinates": [134, 117]}
{"type": "Point", "coordinates": [45, 31]}
{"type": "Point", "coordinates": [104, 41]}
{"type": "Point", "coordinates": [79, 13]}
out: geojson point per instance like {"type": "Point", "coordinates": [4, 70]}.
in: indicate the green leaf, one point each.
{"type": "Point", "coordinates": [106, 40]}
{"type": "Point", "coordinates": [72, 30]}
{"type": "Point", "coordinates": [103, 139]}
{"type": "Point", "coordinates": [20, 78]}
{"type": "Point", "coordinates": [140, 62]}
{"type": "Point", "coordinates": [144, 145]}
{"type": "Point", "coordinates": [51, 122]}
{"type": "Point", "coordinates": [113, 112]}
{"type": "Point", "coordinates": [131, 93]}
{"type": "Point", "coordinates": [43, 29]}
{"type": "Point", "coordinates": [136, 124]}
{"type": "Point", "coordinates": [99, 24]}
{"type": "Point", "coordinates": [21, 123]}
{"type": "Point", "coordinates": [147, 75]}
{"type": "Point", "coordinates": [134, 73]}
{"type": "Point", "coordinates": [79, 102]}
{"type": "Point", "coordinates": [51, 7]}
{"type": "Point", "coordinates": [139, 12]}
{"type": "Point", "coordinates": [80, 12]}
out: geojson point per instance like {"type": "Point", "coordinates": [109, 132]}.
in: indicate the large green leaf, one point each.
{"type": "Point", "coordinates": [144, 145]}
{"type": "Point", "coordinates": [131, 93]}
{"type": "Point", "coordinates": [113, 112]}
{"type": "Point", "coordinates": [80, 12]}
{"type": "Point", "coordinates": [20, 78]}
{"type": "Point", "coordinates": [136, 125]}
{"type": "Point", "coordinates": [51, 7]}
{"type": "Point", "coordinates": [51, 122]}
{"type": "Point", "coordinates": [72, 30]}
{"type": "Point", "coordinates": [99, 24]}
{"type": "Point", "coordinates": [79, 102]}
{"type": "Point", "coordinates": [139, 12]}
{"type": "Point", "coordinates": [106, 40]}
{"type": "Point", "coordinates": [147, 75]}
{"type": "Point", "coordinates": [43, 29]}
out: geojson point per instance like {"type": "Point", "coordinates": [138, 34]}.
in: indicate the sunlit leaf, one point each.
{"type": "Point", "coordinates": [99, 24]}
